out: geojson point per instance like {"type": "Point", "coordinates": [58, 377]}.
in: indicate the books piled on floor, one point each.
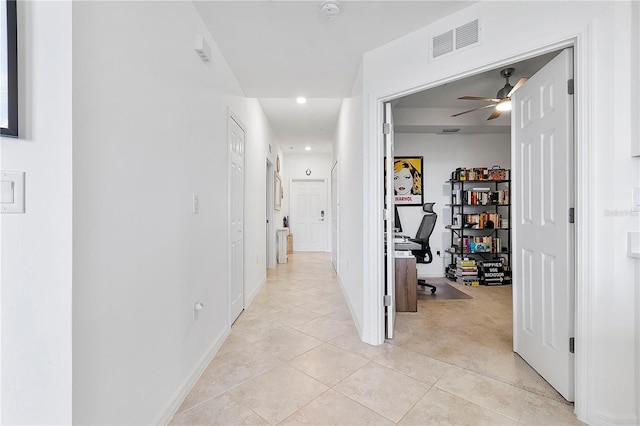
{"type": "Point", "coordinates": [467, 272]}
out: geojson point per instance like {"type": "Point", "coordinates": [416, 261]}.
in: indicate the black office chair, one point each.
{"type": "Point", "coordinates": [422, 237]}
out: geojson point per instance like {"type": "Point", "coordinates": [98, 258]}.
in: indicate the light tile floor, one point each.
{"type": "Point", "coordinates": [294, 357]}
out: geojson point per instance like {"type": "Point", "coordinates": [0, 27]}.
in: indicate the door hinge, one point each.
{"type": "Point", "coordinates": [386, 128]}
{"type": "Point", "coordinates": [572, 345]}
{"type": "Point", "coordinates": [387, 300]}
{"type": "Point", "coordinates": [570, 86]}
{"type": "Point", "coordinates": [572, 218]}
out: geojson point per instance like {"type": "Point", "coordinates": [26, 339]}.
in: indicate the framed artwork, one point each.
{"type": "Point", "coordinates": [278, 192]}
{"type": "Point", "coordinates": [407, 181]}
{"type": "Point", "coordinates": [8, 68]}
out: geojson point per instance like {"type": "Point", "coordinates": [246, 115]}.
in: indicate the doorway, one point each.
{"type": "Point", "coordinates": [236, 143]}
{"type": "Point", "coordinates": [309, 214]}
{"type": "Point", "coordinates": [270, 229]}
{"type": "Point", "coordinates": [520, 331]}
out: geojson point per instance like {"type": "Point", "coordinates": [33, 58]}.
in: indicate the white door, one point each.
{"type": "Point", "coordinates": [335, 203]}
{"type": "Point", "coordinates": [543, 266]}
{"type": "Point", "coordinates": [236, 218]}
{"type": "Point", "coordinates": [390, 287]}
{"type": "Point", "coordinates": [309, 215]}
{"type": "Point", "coordinates": [270, 229]}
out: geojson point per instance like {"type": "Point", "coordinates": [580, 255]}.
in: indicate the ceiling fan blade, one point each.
{"type": "Point", "coordinates": [475, 109]}
{"type": "Point", "coordinates": [517, 86]}
{"type": "Point", "coordinates": [475, 98]}
{"type": "Point", "coordinates": [494, 114]}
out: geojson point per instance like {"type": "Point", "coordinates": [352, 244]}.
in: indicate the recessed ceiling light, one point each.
{"type": "Point", "coordinates": [307, 148]}
{"type": "Point", "coordinates": [301, 100]}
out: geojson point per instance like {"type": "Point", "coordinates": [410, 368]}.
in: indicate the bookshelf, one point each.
{"type": "Point", "coordinates": [480, 227]}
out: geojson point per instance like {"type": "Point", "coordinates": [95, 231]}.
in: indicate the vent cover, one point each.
{"type": "Point", "coordinates": [467, 34]}
{"type": "Point", "coordinates": [459, 38]}
{"type": "Point", "coordinates": [443, 44]}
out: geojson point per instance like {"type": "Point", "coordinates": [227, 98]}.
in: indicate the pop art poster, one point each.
{"type": "Point", "coordinates": [407, 181]}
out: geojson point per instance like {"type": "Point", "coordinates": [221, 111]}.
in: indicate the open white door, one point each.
{"type": "Point", "coordinates": [236, 219]}
{"type": "Point", "coordinates": [390, 287]}
{"type": "Point", "coordinates": [543, 264]}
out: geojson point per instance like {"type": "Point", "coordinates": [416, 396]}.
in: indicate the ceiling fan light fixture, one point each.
{"type": "Point", "coordinates": [504, 105]}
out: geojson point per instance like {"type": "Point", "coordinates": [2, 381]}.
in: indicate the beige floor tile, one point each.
{"type": "Point", "coordinates": [440, 408]}
{"type": "Point", "coordinates": [501, 397]}
{"type": "Point", "coordinates": [328, 364]}
{"type": "Point", "coordinates": [466, 345]}
{"type": "Point", "coordinates": [229, 369]}
{"type": "Point", "coordinates": [383, 390]}
{"type": "Point", "coordinates": [221, 410]}
{"type": "Point", "coordinates": [322, 306]}
{"type": "Point", "coordinates": [286, 343]}
{"type": "Point", "coordinates": [254, 329]}
{"type": "Point", "coordinates": [278, 393]}
{"type": "Point", "coordinates": [325, 328]}
{"type": "Point", "coordinates": [412, 364]}
{"type": "Point", "coordinates": [333, 408]}
{"type": "Point", "coordinates": [351, 342]}
{"type": "Point", "coordinates": [292, 316]}
{"type": "Point", "coordinates": [539, 410]}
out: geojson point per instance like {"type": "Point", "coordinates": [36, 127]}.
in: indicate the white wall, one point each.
{"type": "Point", "coordinates": [441, 155]}
{"type": "Point", "coordinates": [149, 131]}
{"type": "Point", "coordinates": [259, 137]}
{"type": "Point", "coordinates": [295, 167]}
{"type": "Point", "coordinates": [349, 155]}
{"type": "Point", "coordinates": [36, 246]}
{"type": "Point", "coordinates": [607, 360]}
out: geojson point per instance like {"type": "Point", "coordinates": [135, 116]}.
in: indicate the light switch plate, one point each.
{"type": "Point", "coordinates": [196, 204]}
{"type": "Point", "coordinates": [12, 184]}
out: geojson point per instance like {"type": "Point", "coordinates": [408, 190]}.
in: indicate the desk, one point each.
{"type": "Point", "coordinates": [406, 284]}
{"type": "Point", "coordinates": [407, 245]}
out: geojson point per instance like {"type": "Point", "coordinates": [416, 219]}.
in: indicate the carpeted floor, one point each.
{"type": "Point", "coordinates": [444, 291]}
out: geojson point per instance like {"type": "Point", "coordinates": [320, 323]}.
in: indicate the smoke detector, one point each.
{"type": "Point", "coordinates": [330, 9]}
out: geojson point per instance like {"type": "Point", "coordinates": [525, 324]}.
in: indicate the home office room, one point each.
{"type": "Point", "coordinates": [457, 138]}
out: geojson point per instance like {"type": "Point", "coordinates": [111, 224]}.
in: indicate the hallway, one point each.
{"type": "Point", "coordinates": [294, 357]}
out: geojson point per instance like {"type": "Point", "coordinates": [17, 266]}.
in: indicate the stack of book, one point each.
{"type": "Point", "coordinates": [467, 272]}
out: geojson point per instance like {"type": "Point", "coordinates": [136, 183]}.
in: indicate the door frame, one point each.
{"type": "Point", "coordinates": [270, 229]}
{"type": "Point", "coordinates": [327, 202]}
{"type": "Point", "coordinates": [373, 254]}
{"type": "Point", "coordinates": [335, 211]}
{"type": "Point", "coordinates": [232, 116]}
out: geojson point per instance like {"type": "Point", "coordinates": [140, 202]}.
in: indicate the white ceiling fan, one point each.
{"type": "Point", "coordinates": [502, 101]}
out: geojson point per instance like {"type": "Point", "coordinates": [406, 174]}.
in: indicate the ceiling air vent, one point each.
{"type": "Point", "coordinates": [443, 44]}
{"type": "Point", "coordinates": [467, 34]}
{"type": "Point", "coordinates": [453, 40]}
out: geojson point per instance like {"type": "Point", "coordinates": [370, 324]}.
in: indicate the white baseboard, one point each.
{"type": "Point", "coordinates": [249, 297]}
{"type": "Point", "coordinates": [183, 390]}
{"type": "Point", "coordinates": [354, 317]}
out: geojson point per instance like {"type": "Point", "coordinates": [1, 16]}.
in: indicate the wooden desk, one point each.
{"type": "Point", "coordinates": [406, 284]}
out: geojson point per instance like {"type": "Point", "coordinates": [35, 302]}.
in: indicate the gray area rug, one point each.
{"type": "Point", "coordinates": [444, 291]}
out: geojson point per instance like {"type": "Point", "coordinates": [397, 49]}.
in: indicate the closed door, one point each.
{"type": "Point", "coordinates": [236, 139]}
{"type": "Point", "coordinates": [543, 265]}
{"type": "Point", "coordinates": [309, 215]}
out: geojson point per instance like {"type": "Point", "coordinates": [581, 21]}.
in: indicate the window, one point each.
{"type": "Point", "coordinates": [8, 69]}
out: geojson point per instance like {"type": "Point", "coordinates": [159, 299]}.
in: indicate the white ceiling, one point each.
{"type": "Point", "coordinates": [280, 50]}
{"type": "Point", "coordinates": [439, 103]}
